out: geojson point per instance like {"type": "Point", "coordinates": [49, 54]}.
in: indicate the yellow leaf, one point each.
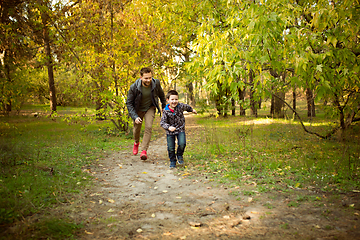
{"type": "Point", "coordinates": [144, 172]}
{"type": "Point", "coordinates": [111, 201]}
{"type": "Point", "coordinates": [88, 232]}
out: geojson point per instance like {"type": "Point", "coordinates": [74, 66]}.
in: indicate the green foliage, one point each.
{"type": "Point", "coordinates": [275, 155]}
{"type": "Point", "coordinates": [42, 162]}
{"type": "Point", "coordinates": [57, 228]}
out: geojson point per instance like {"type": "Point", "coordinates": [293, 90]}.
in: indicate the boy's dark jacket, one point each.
{"type": "Point", "coordinates": [134, 97]}
{"type": "Point", "coordinates": [175, 119]}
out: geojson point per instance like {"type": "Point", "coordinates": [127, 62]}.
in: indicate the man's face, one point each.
{"type": "Point", "coordinates": [146, 79]}
{"type": "Point", "coordinates": [173, 101]}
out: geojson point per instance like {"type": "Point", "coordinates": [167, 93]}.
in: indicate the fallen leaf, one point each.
{"type": "Point", "coordinates": [165, 191]}
{"type": "Point", "coordinates": [110, 210]}
{"type": "Point", "coordinates": [178, 197]}
{"type": "Point", "coordinates": [139, 230]}
{"type": "Point", "coordinates": [111, 201]}
{"type": "Point", "coordinates": [351, 205]}
{"type": "Point", "coordinates": [317, 226]}
{"type": "Point", "coordinates": [88, 232]}
{"type": "Point", "coordinates": [195, 224]}
{"type": "Point", "coordinates": [194, 227]}
{"type": "Point", "coordinates": [144, 172]}
{"type": "Point", "coordinates": [167, 234]}
{"type": "Point", "coordinates": [155, 187]}
{"type": "Point", "coordinates": [153, 215]}
{"type": "Point", "coordinates": [357, 191]}
{"type": "Point", "coordinates": [250, 199]}
{"type": "Point", "coordinates": [100, 201]}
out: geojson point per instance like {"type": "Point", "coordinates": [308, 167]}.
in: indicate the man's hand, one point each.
{"type": "Point", "coordinates": [138, 120]}
{"type": "Point", "coordinates": [194, 111]}
{"type": "Point", "coordinates": [171, 129]}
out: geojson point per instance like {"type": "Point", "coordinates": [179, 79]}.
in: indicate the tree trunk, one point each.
{"type": "Point", "coordinates": [277, 100]}
{"type": "Point", "coordinates": [253, 104]}
{"type": "Point", "coordinates": [49, 60]}
{"type": "Point", "coordinates": [7, 100]}
{"type": "Point", "coordinates": [294, 99]}
{"type": "Point", "coordinates": [310, 103]}
{"type": "Point", "coordinates": [190, 89]}
{"type": "Point", "coordinates": [279, 105]}
{"type": "Point", "coordinates": [189, 85]}
{"type": "Point", "coordinates": [242, 99]}
{"type": "Point", "coordinates": [232, 107]}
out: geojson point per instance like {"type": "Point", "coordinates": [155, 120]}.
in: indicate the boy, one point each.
{"type": "Point", "coordinates": [173, 121]}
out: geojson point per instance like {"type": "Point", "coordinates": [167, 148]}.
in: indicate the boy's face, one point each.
{"type": "Point", "coordinates": [173, 101]}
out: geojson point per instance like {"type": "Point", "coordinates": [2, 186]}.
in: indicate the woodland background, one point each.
{"type": "Point", "coordinates": [228, 52]}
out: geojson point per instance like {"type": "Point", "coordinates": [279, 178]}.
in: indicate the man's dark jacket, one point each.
{"type": "Point", "coordinates": [134, 97]}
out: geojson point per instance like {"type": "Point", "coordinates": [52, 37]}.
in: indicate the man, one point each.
{"type": "Point", "coordinates": [142, 102]}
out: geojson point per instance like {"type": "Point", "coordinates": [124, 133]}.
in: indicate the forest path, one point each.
{"type": "Point", "coordinates": [137, 199]}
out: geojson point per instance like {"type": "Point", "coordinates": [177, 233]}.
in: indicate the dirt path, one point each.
{"type": "Point", "coordinates": [145, 200]}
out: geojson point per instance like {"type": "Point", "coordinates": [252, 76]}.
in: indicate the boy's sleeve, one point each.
{"type": "Point", "coordinates": [163, 122]}
{"type": "Point", "coordinates": [187, 108]}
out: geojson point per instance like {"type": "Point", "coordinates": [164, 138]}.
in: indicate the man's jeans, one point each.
{"type": "Point", "coordinates": [181, 139]}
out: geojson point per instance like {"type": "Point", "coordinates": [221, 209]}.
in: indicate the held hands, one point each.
{"type": "Point", "coordinates": [171, 129]}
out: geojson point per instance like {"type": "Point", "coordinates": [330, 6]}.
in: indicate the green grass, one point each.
{"type": "Point", "coordinates": [275, 154]}
{"type": "Point", "coordinates": [42, 161]}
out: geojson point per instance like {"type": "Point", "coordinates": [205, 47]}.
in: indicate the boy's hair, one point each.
{"type": "Point", "coordinates": [171, 92]}
{"type": "Point", "coordinates": [145, 70]}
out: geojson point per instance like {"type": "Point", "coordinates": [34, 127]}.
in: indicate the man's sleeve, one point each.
{"type": "Point", "coordinates": [130, 104]}
{"type": "Point", "coordinates": [162, 96]}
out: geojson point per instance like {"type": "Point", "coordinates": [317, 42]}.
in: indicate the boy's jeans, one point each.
{"type": "Point", "coordinates": [181, 139]}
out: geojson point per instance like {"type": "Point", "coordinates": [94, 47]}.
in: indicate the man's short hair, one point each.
{"type": "Point", "coordinates": [171, 92]}
{"type": "Point", "coordinates": [145, 70]}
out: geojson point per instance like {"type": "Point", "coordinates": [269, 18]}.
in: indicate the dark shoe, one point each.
{"type": "Point", "coordinates": [136, 148]}
{"type": "Point", "coordinates": [180, 162]}
{"type": "Point", "coordinates": [143, 155]}
{"type": "Point", "coordinates": [172, 165]}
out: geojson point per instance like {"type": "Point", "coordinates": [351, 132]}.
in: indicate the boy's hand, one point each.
{"type": "Point", "coordinates": [171, 129]}
{"type": "Point", "coordinates": [194, 111]}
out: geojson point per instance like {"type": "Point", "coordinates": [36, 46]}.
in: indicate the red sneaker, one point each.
{"type": "Point", "coordinates": [143, 155]}
{"type": "Point", "coordinates": [136, 148]}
